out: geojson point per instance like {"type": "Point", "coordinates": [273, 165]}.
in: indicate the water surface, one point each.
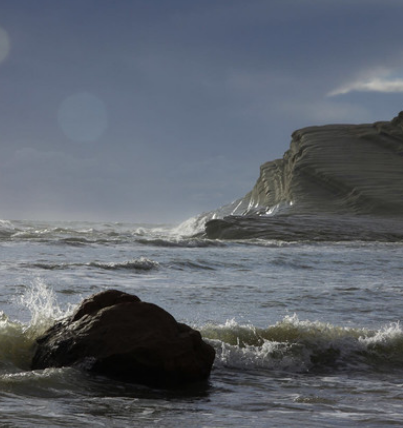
{"type": "Point", "coordinates": [307, 333]}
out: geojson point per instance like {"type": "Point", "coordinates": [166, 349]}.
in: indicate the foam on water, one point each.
{"type": "Point", "coordinates": [6, 228]}
{"type": "Point", "coordinates": [289, 345]}
{"type": "Point", "coordinates": [141, 264]}
{"type": "Point", "coordinates": [181, 242]}
{"type": "Point", "coordinates": [192, 226]}
{"type": "Point", "coordinates": [17, 338]}
{"type": "Point", "coordinates": [41, 302]}
{"type": "Point", "coordinates": [304, 346]}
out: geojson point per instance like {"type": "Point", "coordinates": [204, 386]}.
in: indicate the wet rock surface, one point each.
{"type": "Point", "coordinates": [116, 334]}
{"type": "Point", "coordinates": [318, 228]}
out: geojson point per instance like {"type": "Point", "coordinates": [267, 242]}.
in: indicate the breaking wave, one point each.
{"type": "Point", "coordinates": [290, 345]}
{"type": "Point", "coordinates": [17, 338]}
{"type": "Point", "coordinates": [7, 229]}
{"type": "Point", "coordinates": [298, 346]}
{"type": "Point", "coordinates": [142, 264]}
{"type": "Point", "coordinates": [179, 242]}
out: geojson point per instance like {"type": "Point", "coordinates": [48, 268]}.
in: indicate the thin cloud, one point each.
{"type": "Point", "coordinates": [372, 85]}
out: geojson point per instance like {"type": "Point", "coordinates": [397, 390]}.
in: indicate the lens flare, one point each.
{"type": "Point", "coordinates": [4, 44]}
{"type": "Point", "coordinates": [83, 117]}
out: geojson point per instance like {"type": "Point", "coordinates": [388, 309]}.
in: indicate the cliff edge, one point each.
{"type": "Point", "coordinates": [343, 170]}
{"type": "Point", "coordinates": [335, 169]}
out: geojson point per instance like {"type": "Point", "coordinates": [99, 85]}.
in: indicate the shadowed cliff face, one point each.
{"type": "Point", "coordinates": [333, 170]}
{"type": "Point", "coordinates": [336, 169]}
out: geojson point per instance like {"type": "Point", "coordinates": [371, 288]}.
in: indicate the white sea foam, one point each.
{"type": "Point", "coordinates": [41, 302]}
{"type": "Point", "coordinates": [302, 346]}
{"type": "Point", "coordinates": [141, 264]}
{"type": "Point", "coordinates": [291, 344]}
{"type": "Point", "coordinates": [7, 228]}
{"type": "Point", "coordinates": [16, 337]}
{"type": "Point", "coordinates": [191, 226]}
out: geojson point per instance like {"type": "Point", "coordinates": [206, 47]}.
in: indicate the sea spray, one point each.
{"type": "Point", "coordinates": [16, 337]}
{"type": "Point", "coordinates": [41, 302]}
{"type": "Point", "coordinates": [191, 226]}
{"type": "Point", "coordinates": [385, 346]}
{"type": "Point", "coordinates": [305, 346]}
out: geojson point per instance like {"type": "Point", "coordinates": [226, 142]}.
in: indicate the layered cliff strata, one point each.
{"type": "Point", "coordinates": [335, 168]}
{"type": "Point", "coordinates": [331, 170]}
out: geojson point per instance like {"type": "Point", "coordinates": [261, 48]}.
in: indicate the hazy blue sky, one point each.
{"type": "Point", "coordinates": [156, 110]}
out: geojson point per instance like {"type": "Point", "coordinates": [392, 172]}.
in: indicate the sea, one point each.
{"type": "Point", "coordinates": [307, 332]}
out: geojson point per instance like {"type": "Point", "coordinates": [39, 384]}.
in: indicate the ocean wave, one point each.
{"type": "Point", "coordinates": [185, 264]}
{"type": "Point", "coordinates": [298, 346]}
{"type": "Point", "coordinates": [14, 347]}
{"type": "Point", "coordinates": [141, 264]}
{"type": "Point", "coordinates": [178, 242]}
{"type": "Point", "coordinates": [64, 236]}
{"type": "Point", "coordinates": [67, 233]}
{"type": "Point", "coordinates": [290, 345]}
{"type": "Point", "coordinates": [17, 338]}
{"type": "Point", "coordinates": [51, 266]}
{"type": "Point", "coordinates": [7, 229]}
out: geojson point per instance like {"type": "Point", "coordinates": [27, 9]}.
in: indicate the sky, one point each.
{"type": "Point", "coordinates": [155, 110]}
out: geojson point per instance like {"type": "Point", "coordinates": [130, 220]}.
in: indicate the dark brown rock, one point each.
{"type": "Point", "coordinates": [118, 335]}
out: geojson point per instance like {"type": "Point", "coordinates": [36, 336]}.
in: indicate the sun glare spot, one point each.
{"type": "Point", "coordinates": [83, 117]}
{"type": "Point", "coordinates": [4, 44]}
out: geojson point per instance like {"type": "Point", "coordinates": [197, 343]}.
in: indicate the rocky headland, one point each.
{"type": "Point", "coordinates": [330, 174]}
